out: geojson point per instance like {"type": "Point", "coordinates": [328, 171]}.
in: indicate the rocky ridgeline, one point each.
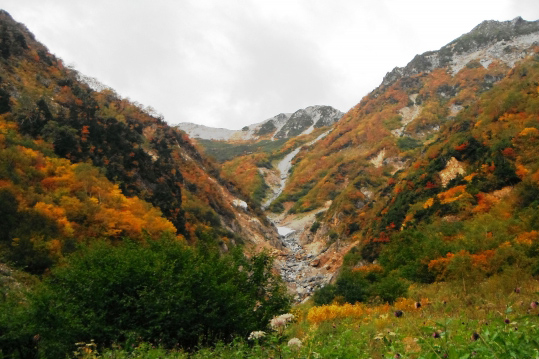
{"type": "Point", "coordinates": [281, 126]}
{"type": "Point", "coordinates": [506, 41]}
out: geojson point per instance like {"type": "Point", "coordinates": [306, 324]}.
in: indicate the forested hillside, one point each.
{"type": "Point", "coordinates": [435, 170]}
{"type": "Point", "coordinates": [84, 122]}
{"type": "Point", "coordinates": [113, 227]}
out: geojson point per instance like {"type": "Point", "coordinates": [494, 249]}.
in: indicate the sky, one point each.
{"type": "Point", "coordinates": [232, 63]}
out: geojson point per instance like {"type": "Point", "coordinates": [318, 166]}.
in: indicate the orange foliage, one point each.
{"type": "Point", "coordinates": [485, 202]}
{"type": "Point", "coordinates": [527, 238]}
{"type": "Point", "coordinates": [452, 194]}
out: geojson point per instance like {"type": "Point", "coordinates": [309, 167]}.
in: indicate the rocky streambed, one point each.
{"type": "Point", "coordinates": [301, 269]}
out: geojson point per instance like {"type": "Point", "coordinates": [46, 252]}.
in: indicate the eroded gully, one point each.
{"type": "Point", "coordinates": [298, 267]}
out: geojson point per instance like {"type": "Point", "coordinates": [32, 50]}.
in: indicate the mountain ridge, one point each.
{"type": "Point", "coordinates": [488, 32]}
{"type": "Point", "coordinates": [281, 126]}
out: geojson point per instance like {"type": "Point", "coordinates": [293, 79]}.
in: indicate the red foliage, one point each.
{"type": "Point", "coordinates": [461, 147]}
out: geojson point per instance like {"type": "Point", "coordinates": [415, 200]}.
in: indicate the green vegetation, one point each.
{"type": "Point", "coordinates": [163, 293]}
{"type": "Point", "coordinates": [408, 143]}
{"type": "Point", "coordinates": [496, 318]}
{"type": "Point", "coordinates": [223, 151]}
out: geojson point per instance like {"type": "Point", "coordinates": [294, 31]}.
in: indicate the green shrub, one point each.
{"type": "Point", "coordinates": [163, 293]}
{"type": "Point", "coordinates": [315, 226]}
{"type": "Point", "coordinates": [352, 287]}
{"type": "Point", "coordinates": [389, 288]}
{"type": "Point", "coordinates": [408, 143]}
{"type": "Point", "coordinates": [325, 295]}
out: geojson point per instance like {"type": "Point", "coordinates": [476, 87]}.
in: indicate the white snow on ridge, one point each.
{"type": "Point", "coordinates": [212, 133]}
{"type": "Point", "coordinates": [328, 114]}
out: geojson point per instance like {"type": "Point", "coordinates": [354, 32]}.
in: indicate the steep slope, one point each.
{"type": "Point", "coordinates": [87, 122]}
{"type": "Point", "coordinates": [49, 206]}
{"type": "Point", "coordinates": [443, 145]}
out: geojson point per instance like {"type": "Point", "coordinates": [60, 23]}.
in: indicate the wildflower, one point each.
{"type": "Point", "coordinates": [294, 343]}
{"type": "Point", "coordinates": [507, 321]}
{"type": "Point", "coordinates": [475, 336]}
{"type": "Point", "coordinates": [259, 334]}
{"type": "Point", "coordinates": [436, 335]}
{"type": "Point", "coordinates": [517, 290]}
{"type": "Point", "coordinates": [397, 356]}
{"type": "Point", "coordinates": [398, 313]}
{"type": "Point", "coordinates": [534, 304]}
{"type": "Point", "coordinates": [281, 321]}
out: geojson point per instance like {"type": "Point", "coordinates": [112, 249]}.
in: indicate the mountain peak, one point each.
{"type": "Point", "coordinates": [490, 40]}
{"type": "Point", "coordinates": [281, 126]}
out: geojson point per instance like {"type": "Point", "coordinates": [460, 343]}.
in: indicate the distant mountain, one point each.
{"type": "Point", "coordinates": [281, 126]}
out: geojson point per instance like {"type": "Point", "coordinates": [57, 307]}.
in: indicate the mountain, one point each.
{"type": "Point", "coordinates": [281, 126]}
{"type": "Point", "coordinates": [62, 127]}
{"type": "Point", "coordinates": [435, 161]}
{"type": "Point", "coordinates": [489, 41]}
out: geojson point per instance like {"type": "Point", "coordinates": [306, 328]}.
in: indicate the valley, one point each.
{"type": "Point", "coordinates": [417, 208]}
{"type": "Point", "coordinates": [300, 268]}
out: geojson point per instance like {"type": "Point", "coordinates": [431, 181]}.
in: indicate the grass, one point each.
{"type": "Point", "coordinates": [495, 318]}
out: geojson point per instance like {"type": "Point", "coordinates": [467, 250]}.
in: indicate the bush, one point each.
{"type": "Point", "coordinates": [325, 295]}
{"type": "Point", "coordinates": [390, 288]}
{"type": "Point", "coordinates": [352, 287]}
{"type": "Point", "coordinates": [163, 293]}
{"type": "Point", "coordinates": [315, 226]}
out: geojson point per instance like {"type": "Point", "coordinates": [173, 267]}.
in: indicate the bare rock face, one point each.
{"type": "Point", "coordinates": [506, 41]}
{"type": "Point", "coordinates": [452, 170]}
{"type": "Point", "coordinates": [281, 126]}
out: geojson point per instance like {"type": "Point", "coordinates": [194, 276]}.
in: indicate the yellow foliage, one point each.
{"type": "Point", "coordinates": [369, 268]}
{"type": "Point", "coordinates": [521, 171]}
{"type": "Point", "coordinates": [56, 213]}
{"type": "Point", "coordinates": [334, 311]}
{"type": "Point", "coordinates": [361, 311]}
{"type": "Point", "coordinates": [410, 305]}
{"type": "Point", "coordinates": [529, 131]}
{"type": "Point", "coordinates": [428, 203]}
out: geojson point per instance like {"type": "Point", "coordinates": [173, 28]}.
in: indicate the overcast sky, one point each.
{"type": "Point", "coordinates": [231, 63]}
